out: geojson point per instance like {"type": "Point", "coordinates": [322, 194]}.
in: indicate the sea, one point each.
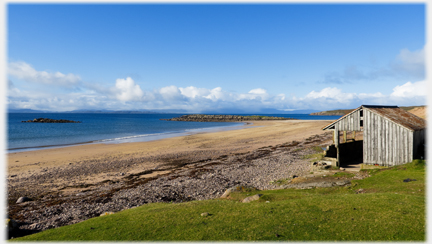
{"type": "Point", "coordinates": [110, 128]}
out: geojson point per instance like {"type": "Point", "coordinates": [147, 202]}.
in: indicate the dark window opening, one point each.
{"type": "Point", "coordinates": [361, 113]}
{"type": "Point", "coordinates": [361, 123]}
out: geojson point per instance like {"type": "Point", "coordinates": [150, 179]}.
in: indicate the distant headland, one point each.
{"type": "Point", "coordinates": [223, 118]}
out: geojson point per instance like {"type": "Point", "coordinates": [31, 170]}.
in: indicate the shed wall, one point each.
{"type": "Point", "coordinates": [385, 142]}
{"type": "Point", "coordinates": [350, 122]}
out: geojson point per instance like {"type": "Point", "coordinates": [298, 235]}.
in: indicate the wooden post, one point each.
{"type": "Point", "coordinates": [354, 134]}
{"type": "Point", "coordinates": [344, 136]}
{"type": "Point", "coordinates": [336, 142]}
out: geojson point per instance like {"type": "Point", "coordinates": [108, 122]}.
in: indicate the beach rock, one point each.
{"type": "Point", "coordinates": [205, 214]}
{"type": "Point", "coordinates": [238, 188]}
{"type": "Point", "coordinates": [318, 166]}
{"type": "Point", "coordinates": [343, 183]}
{"type": "Point", "coordinates": [23, 199]}
{"type": "Point", "coordinates": [252, 198]}
{"type": "Point", "coordinates": [34, 226]}
{"type": "Point", "coordinates": [226, 193]}
{"type": "Point", "coordinates": [46, 120]}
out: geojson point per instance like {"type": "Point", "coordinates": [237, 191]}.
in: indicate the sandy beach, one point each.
{"type": "Point", "coordinates": [258, 134]}
{"type": "Point", "coordinates": [68, 185]}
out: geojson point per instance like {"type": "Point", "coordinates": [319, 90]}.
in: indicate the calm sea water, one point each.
{"type": "Point", "coordinates": [106, 128]}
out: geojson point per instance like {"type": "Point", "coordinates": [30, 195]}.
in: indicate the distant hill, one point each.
{"type": "Point", "coordinates": [419, 111]}
{"type": "Point", "coordinates": [338, 112]}
{"type": "Point", "coordinates": [169, 111]}
{"type": "Point", "coordinates": [24, 111]}
{"type": "Point", "coordinates": [84, 111]}
{"type": "Point", "coordinates": [113, 112]}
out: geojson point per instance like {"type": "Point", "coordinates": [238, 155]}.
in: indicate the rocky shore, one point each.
{"type": "Point", "coordinates": [46, 120]}
{"type": "Point", "coordinates": [57, 197]}
{"type": "Point", "coordinates": [223, 118]}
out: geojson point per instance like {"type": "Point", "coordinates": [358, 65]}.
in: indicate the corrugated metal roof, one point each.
{"type": "Point", "coordinates": [393, 113]}
{"type": "Point", "coordinates": [400, 116]}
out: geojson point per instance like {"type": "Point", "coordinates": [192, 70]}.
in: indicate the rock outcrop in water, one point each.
{"type": "Point", "coordinates": [223, 118]}
{"type": "Point", "coordinates": [46, 120]}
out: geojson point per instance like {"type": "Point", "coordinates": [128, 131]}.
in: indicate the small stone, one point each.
{"type": "Point", "coordinates": [252, 198]}
{"type": "Point", "coordinates": [34, 226]}
{"type": "Point", "coordinates": [226, 193]}
{"type": "Point", "coordinates": [23, 199]}
{"type": "Point", "coordinates": [205, 214]}
{"type": "Point", "coordinates": [107, 213]}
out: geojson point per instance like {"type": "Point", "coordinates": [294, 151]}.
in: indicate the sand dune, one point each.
{"type": "Point", "coordinates": [419, 111]}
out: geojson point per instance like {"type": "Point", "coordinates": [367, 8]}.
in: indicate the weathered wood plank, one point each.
{"type": "Point", "coordinates": [387, 142]}
{"type": "Point", "coordinates": [379, 140]}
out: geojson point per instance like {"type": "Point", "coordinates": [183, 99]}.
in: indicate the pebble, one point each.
{"type": "Point", "coordinates": [23, 199]}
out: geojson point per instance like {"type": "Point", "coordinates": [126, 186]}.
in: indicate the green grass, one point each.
{"type": "Point", "coordinates": [341, 174]}
{"type": "Point", "coordinates": [389, 210]}
{"type": "Point", "coordinates": [314, 157]}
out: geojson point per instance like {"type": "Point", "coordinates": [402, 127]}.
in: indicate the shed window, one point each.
{"type": "Point", "coordinates": [361, 123]}
{"type": "Point", "coordinates": [361, 113]}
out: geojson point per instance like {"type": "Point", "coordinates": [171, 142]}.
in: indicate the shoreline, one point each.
{"type": "Point", "coordinates": [137, 138]}
{"type": "Point", "coordinates": [71, 184]}
{"type": "Point", "coordinates": [57, 156]}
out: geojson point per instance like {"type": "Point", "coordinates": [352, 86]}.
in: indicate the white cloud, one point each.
{"type": "Point", "coordinates": [24, 71]}
{"type": "Point", "coordinates": [258, 91]}
{"type": "Point", "coordinates": [127, 95]}
{"type": "Point", "coordinates": [193, 92]}
{"type": "Point", "coordinates": [171, 93]}
{"type": "Point", "coordinates": [409, 89]}
{"type": "Point", "coordinates": [127, 90]}
{"type": "Point", "coordinates": [407, 64]}
{"type": "Point", "coordinates": [216, 94]}
{"type": "Point", "coordinates": [416, 58]}
{"type": "Point", "coordinates": [330, 94]}
{"type": "Point", "coordinates": [410, 63]}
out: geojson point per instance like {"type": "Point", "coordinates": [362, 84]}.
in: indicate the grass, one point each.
{"type": "Point", "coordinates": [314, 157]}
{"type": "Point", "coordinates": [388, 210]}
{"type": "Point", "coordinates": [280, 182]}
{"type": "Point", "coordinates": [341, 174]}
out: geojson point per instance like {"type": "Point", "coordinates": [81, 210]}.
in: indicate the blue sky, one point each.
{"type": "Point", "coordinates": [214, 57]}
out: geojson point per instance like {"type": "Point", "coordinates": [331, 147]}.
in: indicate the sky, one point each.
{"type": "Point", "coordinates": [214, 57]}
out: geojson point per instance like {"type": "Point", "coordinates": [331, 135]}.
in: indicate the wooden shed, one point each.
{"type": "Point", "coordinates": [391, 135]}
